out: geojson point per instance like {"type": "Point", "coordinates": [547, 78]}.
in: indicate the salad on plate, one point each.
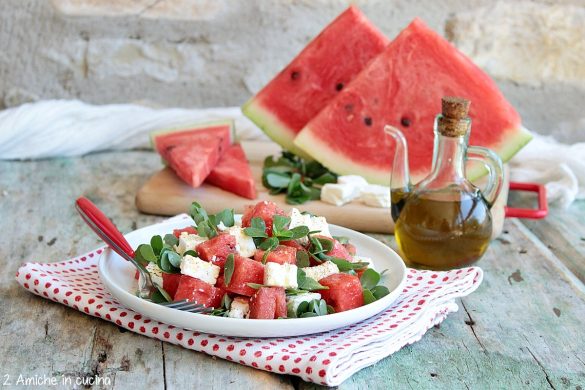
{"type": "Point", "coordinates": [263, 264]}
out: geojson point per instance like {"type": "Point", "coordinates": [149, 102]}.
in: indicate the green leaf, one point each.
{"type": "Point", "coordinates": [306, 283]}
{"type": "Point", "coordinates": [156, 243]}
{"type": "Point", "coordinates": [174, 259]}
{"type": "Point", "coordinates": [325, 178]}
{"type": "Point", "coordinates": [198, 213]}
{"type": "Point", "coordinates": [380, 291]}
{"type": "Point", "coordinates": [298, 232]}
{"type": "Point", "coordinates": [277, 180]}
{"type": "Point", "coordinates": [279, 222]}
{"type": "Point", "coordinates": [191, 253]}
{"type": "Point", "coordinates": [330, 309]}
{"type": "Point", "coordinates": [226, 301]}
{"type": "Point", "coordinates": [345, 265]}
{"type": "Point", "coordinates": [269, 244]}
{"type": "Point", "coordinates": [309, 314]}
{"type": "Point", "coordinates": [369, 279]}
{"type": "Point", "coordinates": [368, 297]}
{"type": "Point", "coordinates": [228, 269]}
{"type": "Point", "coordinates": [302, 308]}
{"type": "Point", "coordinates": [226, 216]}
{"type": "Point", "coordinates": [342, 239]}
{"type": "Point", "coordinates": [254, 232]}
{"type": "Point", "coordinates": [170, 240]}
{"type": "Point", "coordinates": [255, 286]}
{"type": "Point", "coordinates": [258, 223]}
{"type": "Point", "coordinates": [158, 297]}
{"type": "Point", "coordinates": [303, 259]}
{"type": "Point", "coordinates": [147, 253]}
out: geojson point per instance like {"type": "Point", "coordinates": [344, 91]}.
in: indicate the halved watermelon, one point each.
{"type": "Point", "coordinates": [194, 151]}
{"type": "Point", "coordinates": [314, 77]}
{"type": "Point", "coordinates": [403, 87]}
{"type": "Point", "coordinates": [233, 174]}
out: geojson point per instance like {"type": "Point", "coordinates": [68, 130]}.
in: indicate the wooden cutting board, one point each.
{"type": "Point", "coordinates": [166, 194]}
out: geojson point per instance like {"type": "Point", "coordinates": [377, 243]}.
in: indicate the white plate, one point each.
{"type": "Point", "coordinates": [117, 275]}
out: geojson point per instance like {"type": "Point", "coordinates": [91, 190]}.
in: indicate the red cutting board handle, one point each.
{"type": "Point", "coordinates": [539, 213]}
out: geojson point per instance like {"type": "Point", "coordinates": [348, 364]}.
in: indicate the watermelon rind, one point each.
{"type": "Point", "coordinates": [512, 140]}
{"type": "Point", "coordinates": [272, 127]}
{"type": "Point", "coordinates": [194, 126]}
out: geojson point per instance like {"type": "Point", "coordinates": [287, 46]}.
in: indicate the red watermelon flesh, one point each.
{"type": "Point", "coordinates": [330, 61]}
{"type": "Point", "coordinates": [233, 174]}
{"type": "Point", "coordinates": [403, 87]}
{"type": "Point", "coordinates": [193, 153]}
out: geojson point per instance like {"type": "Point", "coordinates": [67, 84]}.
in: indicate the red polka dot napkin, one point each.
{"type": "Point", "coordinates": [327, 358]}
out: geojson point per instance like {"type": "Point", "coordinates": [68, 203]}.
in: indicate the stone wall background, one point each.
{"type": "Point", "coordinates": [204, 53]}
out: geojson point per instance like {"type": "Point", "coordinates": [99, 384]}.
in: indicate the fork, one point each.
{"type": "Point", "coordinates": [109, 233]}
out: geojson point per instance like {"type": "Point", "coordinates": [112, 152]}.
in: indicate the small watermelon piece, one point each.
{"type": "Point", "coordinates": [265, 210]}
{"type": "Point", "coordinates": [245, 271]}
{"type": "Point", "coordinates": [217, 249]}
{"type": "Point", "coordinates": [188, 229]}
{"type": "Point", "coordinates": [171, 283]}
{"type": "Point", "coordinates": [403, 87]}
{"type": "Point", "coordinates": [192, 153]}
{"type": "Point", "coordinates": [345, 291]}
{"type": "Point", "coordinates": [268, 303]}
{"type": "Point", "coordinates": [195, 290]}
{"type": "Point", "coordinates": [282, 254]}
{"type": "Point", "coordinates": [338, 250]}
{"type": "Point", "coordinates": [328, 63]}
{"type": "Point", "coordinates": [233, 173]}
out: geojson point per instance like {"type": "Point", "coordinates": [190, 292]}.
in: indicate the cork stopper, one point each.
{"type": "Point", "coordinates": [454, 121]}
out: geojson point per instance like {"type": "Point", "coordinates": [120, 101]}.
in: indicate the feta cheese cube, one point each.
{"type": "Point", "coordinates": [200, 269]}
{"type": "Point", "coordinates": [188, 242]}
{"type": "Point", "coordinates": [293, 302]}
{"type": "Point", "coordinates": [244, 243]}
{"type": "Point", "coordinates": [221, 226]}
{"type": "Point", "coordinates": [155, 274]}
{"type": "Point", "coordinates": [240, 308]}
{"type": "Point", "coordinates": [355, 180]}
{"type": "Point", "coordinates": [321, 271]}
{"type": "Point", "coordinates": [339, 194]}
{"type": "Point", "coordinates": [280, 275]}
{"type": "Point", "coordinates": [238, 220]}
{"type": "Point", "coordinates": [312, 222]}
{"type": "Point", "coordinates": [375, 195]}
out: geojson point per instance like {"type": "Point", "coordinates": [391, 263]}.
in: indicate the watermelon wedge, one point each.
{"type": "Point", "coordinates": [330, 61]}
{"type": "Point", "coordinates": [193, 152]}
{"type": "Point", "coordinates": [403, 87]}
{"type": "Point", "coordinates": [233, 174]}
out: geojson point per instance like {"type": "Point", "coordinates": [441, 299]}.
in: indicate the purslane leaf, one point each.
{"type": "Point", "coordinates": [228, 270]}
{"type": "Point", "coordinates": [369, 279]}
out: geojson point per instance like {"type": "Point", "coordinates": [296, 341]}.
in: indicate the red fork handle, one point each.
{"type": "Point", "coordinates": [540, 212]}
{"type": "Point", "coordinates": [104, 227]}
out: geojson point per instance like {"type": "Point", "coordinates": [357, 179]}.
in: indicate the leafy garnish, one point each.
{"type": "Point", "coordinates": [306, 283]}
{"type": "Point", "coordinates": [228, 269]}
{"type": "Point", "coordinates": [207, 225]}
{"type": "Point", "coordinates": [368, 296]}
{"type": "Point", "coordinates": [313, 308]}
{"type": "Point", "coordinates": [300, 180]}
{"type": "Point", "coordinates": [160, 252]}
{"type": "Point", "coordinates": [224, 308]}
{"type": "Point", "coordinates": [370, 289]}
{"type": "Point", "coordinates": [369, 279]}
{"type": "Point", "coordinates": [303, 259]}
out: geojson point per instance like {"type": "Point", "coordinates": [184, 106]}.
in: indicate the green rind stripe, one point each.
{"type": "Point", "coordinates": [274, 128]}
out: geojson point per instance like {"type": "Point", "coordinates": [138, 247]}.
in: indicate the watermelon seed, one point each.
{"type": "Point", "coordinates": [339, 87]}
{"type": "Point", "coordinates": [295, 75]}
{"type": "Point", "coordinates": [368, 121]}
{"type": "Point", "coordinates": [405, 122]}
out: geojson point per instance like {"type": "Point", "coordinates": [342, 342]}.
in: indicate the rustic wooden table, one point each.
{"type": "Point", "coordinates": [523, 328]}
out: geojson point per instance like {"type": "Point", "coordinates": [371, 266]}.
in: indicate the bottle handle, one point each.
{"type": "Point", "coordinates": [495, 168]}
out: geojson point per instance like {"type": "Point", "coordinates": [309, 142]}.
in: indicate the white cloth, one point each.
{"type": "Point", "coordinates": [55, 128]}
{"type": "Point", "coordinates": [559, 166]}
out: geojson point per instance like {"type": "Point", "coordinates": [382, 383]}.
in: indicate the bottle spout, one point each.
{"type": "Point", "coordinates": [400, 179]}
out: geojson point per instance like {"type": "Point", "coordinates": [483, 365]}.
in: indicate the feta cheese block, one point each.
{"type": "Point", "coordinates": [244, 243]}
{"type": "Point", "coordinates": [354, 180]}
{"type": "Point", "coordinates": [293, 302]}
{"type": "Point", "coordinates": [312, 222]}
{"type": "Point", "coordinates": [155, 274]}
{"type": "Point", "coordinates": [238, 219]}
{"type": "Point", "coordinates": [321, 271]}
{"type": "Point", "coordinates": [188, 242]}
{"type": "Point", "coordinates": [199, 269]}
{"type": "Point", "coordinates": [339, 194]}
{"type": "Point", "coordinates": [280, 275]}
{"type": "Point", "coordinates": [240, 308]}
{"type": "Point", "coordinates": [375, 195]}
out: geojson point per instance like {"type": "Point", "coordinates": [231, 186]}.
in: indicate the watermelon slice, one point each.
{"type": "Point", "coordinates": [314, 77]}
{"type": "Point", "coordinates": [233, 174]}
{"type": "Point", "coordinates": [193, 152]}
{"type": "Point", "coordinates": [403, 87]}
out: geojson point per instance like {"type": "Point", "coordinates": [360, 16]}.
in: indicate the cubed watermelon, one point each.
{"type": "Point", "coordinates": [219, 246]}
{"type": "Point", "coordinates": [245, 271]}
{"type": "Point", "coordinates": [293, 244]}
{"type": "Point", "coordinates": [345, 291]}
{"type": "Point", "coordinates": [171, 283]}
{"type": "Point", "coordinates": [338, 249]}
{"type": "Point", "coordinates": [268, 303]}
{"type": "Point", "coordinates": [265, 210]}
{"type": "Point", "coordinates": [195, 290]}
{"type": "Point", "coordinates": [188, 229]}
{"type": "Point", "coordinates": [281, 254]}
{"type": "Point", "coordinates": [351, 249]}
